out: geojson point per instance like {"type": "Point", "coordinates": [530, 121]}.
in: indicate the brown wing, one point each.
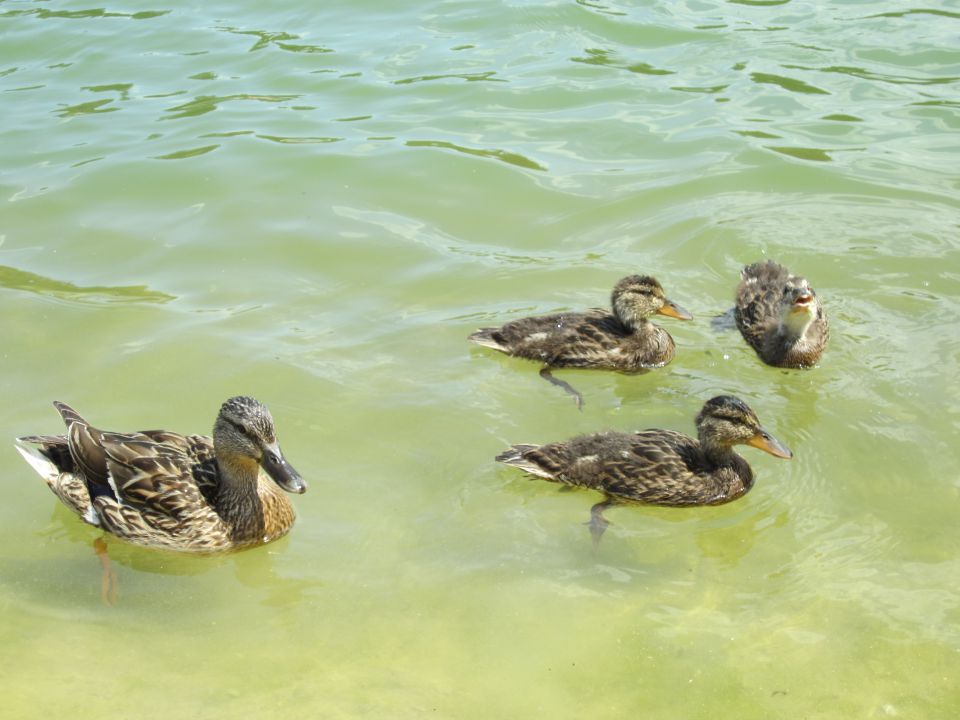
{"type": "Point", "coordinates": [660, 467]}
{"type": "Point", "coordinates": [761, 297]}
{"type": "Point", "coordinates": [147, 475]}
{"type": "Point", "coordinates": [154, 490]}
{"type": "Point", "coordinates": [562, 339]}
{"type": "Point", "coordinates": [86, 444]}
{"type": "Point", "coordinates": [657, 467]}
{"type": "Point", "coordinates": [758, 299]}
{"type": "Point", "coordinates": [201, 456]}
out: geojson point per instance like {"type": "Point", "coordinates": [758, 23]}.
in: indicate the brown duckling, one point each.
{"type": "Point", "coordinates": [160, 489]}
{"type": "Point", "coordinates": [656, 467]}
{"type": "Point", "coordinates": [624, 340]}
{"type": "Point", "coordinates": [780, 315]}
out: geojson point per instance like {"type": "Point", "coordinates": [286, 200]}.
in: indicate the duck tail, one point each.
{"type": "Point", "coordinates": [47, 454]}
{"type": "Point", "coordinates": [765, 272]}
{"type": "Point", "coordinates": [50, 456]}
{"type": "Point", "coordinates": [488, 337]}
{"type": "Point", "coordinates": [68, 414]}
{"type": "Point", "coordinates": [86, 445]}
{"type": "Point", "coordinates": [517, 456]}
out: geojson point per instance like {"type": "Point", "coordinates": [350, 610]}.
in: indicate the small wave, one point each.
{"type": "Point", "coordinates": [16, 279]}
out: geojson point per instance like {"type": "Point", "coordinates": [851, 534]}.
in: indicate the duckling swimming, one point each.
{"type": "Point", "coordinates": [780, 315]}
{"type": "Point", "coordinates": [624, 340]}
{"type": "Point", "coordinates": [656, 467]}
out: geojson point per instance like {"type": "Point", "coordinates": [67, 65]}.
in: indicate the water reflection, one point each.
{"type": "Point", "coordinates": [599, 56]}
{"type": "Point", "coordinates": [279, 39]}
{"type": "Point", "coordinates": [258, 569]}
{"type": "Point", "coordinates": [511, 158]}
{"type": "Point", "coordinates": [203, 104]}
{"type": "Point", "coordinates": [16, 279]}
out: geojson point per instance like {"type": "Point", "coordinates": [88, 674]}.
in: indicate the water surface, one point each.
{"type": "Point", "coordinates": [317, 206]}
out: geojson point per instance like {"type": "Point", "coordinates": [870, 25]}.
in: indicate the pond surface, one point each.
{"type": "Point", "coordinates": [316, 204]}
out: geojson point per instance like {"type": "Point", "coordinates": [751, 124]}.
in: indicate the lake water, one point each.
{"type": "Point", "coordinates": [315, 204]}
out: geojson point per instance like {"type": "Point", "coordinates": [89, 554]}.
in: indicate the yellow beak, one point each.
{"type": "Point", "coordinates": [768, 443]}
{"type": "Point", "coordinates": [671, 309]}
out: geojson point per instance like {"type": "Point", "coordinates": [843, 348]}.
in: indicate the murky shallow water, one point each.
{"type": "Point", "coordinates": [316, 208]}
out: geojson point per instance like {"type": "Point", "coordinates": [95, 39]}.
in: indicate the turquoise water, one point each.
{"type": "Point", "coordinates": [317, 206]}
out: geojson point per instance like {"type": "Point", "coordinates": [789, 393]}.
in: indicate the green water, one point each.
{"type": "Point", "coordinates": [317, 206]}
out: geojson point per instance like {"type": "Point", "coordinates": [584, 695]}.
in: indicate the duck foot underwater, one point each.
{"type": "Point", "coordinates": [567, 387]}
{"type": "Point", "coordinates": [109, 582]}
{"type": "Point", "coordinates": [598, 523]}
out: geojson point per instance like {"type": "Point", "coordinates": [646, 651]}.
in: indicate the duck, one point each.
{"type": "Point", "coordinates": [623, 340]}
{"type": "Point", "coordinates": [160, 489]}
{"type": "Point", "coordinates": [656, 467]}
{"type": "Point", "coordinates": [780, 316]}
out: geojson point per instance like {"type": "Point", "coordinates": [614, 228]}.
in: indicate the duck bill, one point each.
{"type": "Point", "coordinates": [768, 443]}
{"type": "Point", "coordinates": [282, 472]}
{"type": "Point", "coordinates": [671, 309]}
{"type": "Point", "coordinates": [803, 303]}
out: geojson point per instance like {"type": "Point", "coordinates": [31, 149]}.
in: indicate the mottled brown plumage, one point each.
{"type": "Point", "coordinates": [181, 492]}
{"type": "Point", "coordinates": [780, 316]}
{"type": "Point", "coordinates": [656, 467]}
{"type": "Point", "coordinates": [623, 340]}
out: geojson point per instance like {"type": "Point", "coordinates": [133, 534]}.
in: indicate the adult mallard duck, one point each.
{"type": "Point", "coordinates": [780, 315]}
{"type": "Point", "coordinates": [624, 340]}
{"type": "Point", "coordinates": [656, 467]}
{"type": "Point", "coordinates": [180, 492]}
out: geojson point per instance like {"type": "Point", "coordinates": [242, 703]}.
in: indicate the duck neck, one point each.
{"type": "Point", "coordinates": [637, 325]}
{"type": "Point", "coordinates": [717, 454]}
{"type": "Point", "coordinates": [732, 472]}
{"type": "Point", "coordinates": [632, 318]}
{"type": "Point", "coordinates": [238, 501]}
{"type": "Point", "coordinates": [793, 326]}
{"type": "Point", "coordinates": [251, 505]}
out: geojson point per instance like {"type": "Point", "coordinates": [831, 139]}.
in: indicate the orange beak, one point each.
{"type": "Point", "coordinates": [671, 309]}
{"type": "Point", "coordinates": [768, 443]}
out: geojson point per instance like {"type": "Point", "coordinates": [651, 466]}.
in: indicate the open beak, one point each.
{"type": "Point", "coordinates": [671, 309]}
{"type": "Point", "coordinates": [803, 301]}
{"type": "Point", "coordinates": [282, 472]}
{"type": "Point", "coordinates": [768, 443]}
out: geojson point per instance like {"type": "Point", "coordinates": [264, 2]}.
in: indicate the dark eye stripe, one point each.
{"type": "Point", "coordinates": [742, 418]}
{"type": "Point", "coordinates": [238, 426]}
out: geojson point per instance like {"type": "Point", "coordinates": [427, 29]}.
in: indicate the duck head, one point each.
{"type": "Point", "coordinates": [726, 421]}
{"type": "Point", "coordinates": [244, 434]}
{"type": "Point", "coordinates": [638, 297]}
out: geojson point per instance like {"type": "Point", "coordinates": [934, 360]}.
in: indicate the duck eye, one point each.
{"type": "Point", "coordinates": [242, 427]}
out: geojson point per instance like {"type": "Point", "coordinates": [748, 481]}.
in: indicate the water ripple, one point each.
{"type": "Point", "coordinates": [280, 39]}
{"type": "Point", "coordinates": [489, 76]}
{"type": "Point", "coordinates": [187, 153]}
{"type": "Point", "coordinates": [208, 103]}
{"type": "Point", "coordinates": [16, 279]}
{"type": "Point", "coordinates": [45, 13]}
{"type": "Point", "coordinates": [865, 74]}
{"type": "Point", "coordinates": [511, 158]}
{"type": "Point", "coordinates": [597, 56]}
{"type": "Point", "coordinates": [791, 84]}
{"type": "Point", "coordinates": [355, 187]}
